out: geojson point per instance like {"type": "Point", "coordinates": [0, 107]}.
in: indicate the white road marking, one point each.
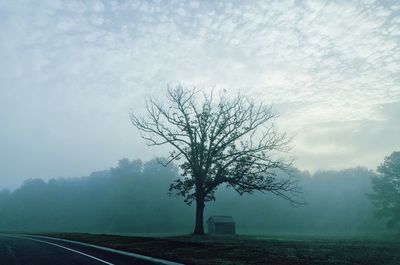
{"type": "Point", "coordinates": [129, 254]}
{"type": "Point", "coordinates": [70, 249]}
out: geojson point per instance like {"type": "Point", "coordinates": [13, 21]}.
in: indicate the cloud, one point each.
{"type": "Point", "coordinates": [342, 144]}
{"type": "Point", "coordinates": [75, 68]}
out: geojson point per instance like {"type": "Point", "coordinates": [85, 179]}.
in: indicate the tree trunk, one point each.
{"type": "Point", "coordinates": [199, 227]}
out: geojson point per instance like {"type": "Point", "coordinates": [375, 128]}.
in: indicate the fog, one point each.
{"type": "Point", "coordinates": [71, 72]}
{"type": "Point", "coordinates": [131, 198]}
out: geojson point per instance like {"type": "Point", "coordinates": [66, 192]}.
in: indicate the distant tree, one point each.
{"type": "Point", "coordinates": [386, 189]}
{"type": "Point", "coordinates": [127, 168]}
{"type": "Point", "coordinates": [230, 141]}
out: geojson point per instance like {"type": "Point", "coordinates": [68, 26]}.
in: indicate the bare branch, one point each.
{"type": "Point", "coordinates": [224, 140]}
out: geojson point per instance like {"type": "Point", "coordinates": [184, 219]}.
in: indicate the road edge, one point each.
{"type": "Point", "coordinates": [121, 252]}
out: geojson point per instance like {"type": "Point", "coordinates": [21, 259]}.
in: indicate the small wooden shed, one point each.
{"type": "Point", "coordinates": [221, 225]}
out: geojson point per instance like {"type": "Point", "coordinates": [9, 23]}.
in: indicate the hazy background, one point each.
{"type": "Point", "coordinates": [131, 198]}
{"type": "Point", "coordinates": [71, 70]}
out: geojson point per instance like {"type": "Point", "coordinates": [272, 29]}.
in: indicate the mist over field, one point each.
{"type": "Point", "coordinates": [150, 126]}
{"type": "Point", "coordinates": [131, 198]}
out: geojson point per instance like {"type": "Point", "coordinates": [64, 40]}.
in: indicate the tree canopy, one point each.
{"type": "Point", "coordinates": [386, 189]}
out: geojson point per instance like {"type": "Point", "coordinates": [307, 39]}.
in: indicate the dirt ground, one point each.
{"type": "Point", "coordinates": [223, 250]}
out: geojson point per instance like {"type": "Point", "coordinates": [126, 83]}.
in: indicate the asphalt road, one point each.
{"type": "Point", "coordinates": [31, 250]}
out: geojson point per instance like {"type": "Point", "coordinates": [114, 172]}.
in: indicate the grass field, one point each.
{"type": "Point", "coordinates": [215, 250]}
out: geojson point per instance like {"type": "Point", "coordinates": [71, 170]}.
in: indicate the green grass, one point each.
{"type": "Point", "coordinates": [215, 250]}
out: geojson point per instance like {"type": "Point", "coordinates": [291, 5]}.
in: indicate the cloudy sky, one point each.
{"type": "Point", "coordinates": [70, 71]}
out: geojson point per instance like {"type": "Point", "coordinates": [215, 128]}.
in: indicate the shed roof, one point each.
{"type": "Point", "coordinates": [221, 219]}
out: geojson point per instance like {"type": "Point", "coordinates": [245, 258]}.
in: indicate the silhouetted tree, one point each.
{"type": "Point", "coordinates": [386, 189]}
{"type": "Point", "coordinates": [232, 141]}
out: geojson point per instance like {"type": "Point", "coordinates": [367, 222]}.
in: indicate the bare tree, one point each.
{"type": "Point", "coordinates": [230, 141]}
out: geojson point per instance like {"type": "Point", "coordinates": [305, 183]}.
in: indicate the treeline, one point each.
{"type": "Point", "coordinates": [133, 198]}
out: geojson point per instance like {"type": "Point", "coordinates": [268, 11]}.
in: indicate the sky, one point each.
{"type": "Point", "coordinates": [70, 72]}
